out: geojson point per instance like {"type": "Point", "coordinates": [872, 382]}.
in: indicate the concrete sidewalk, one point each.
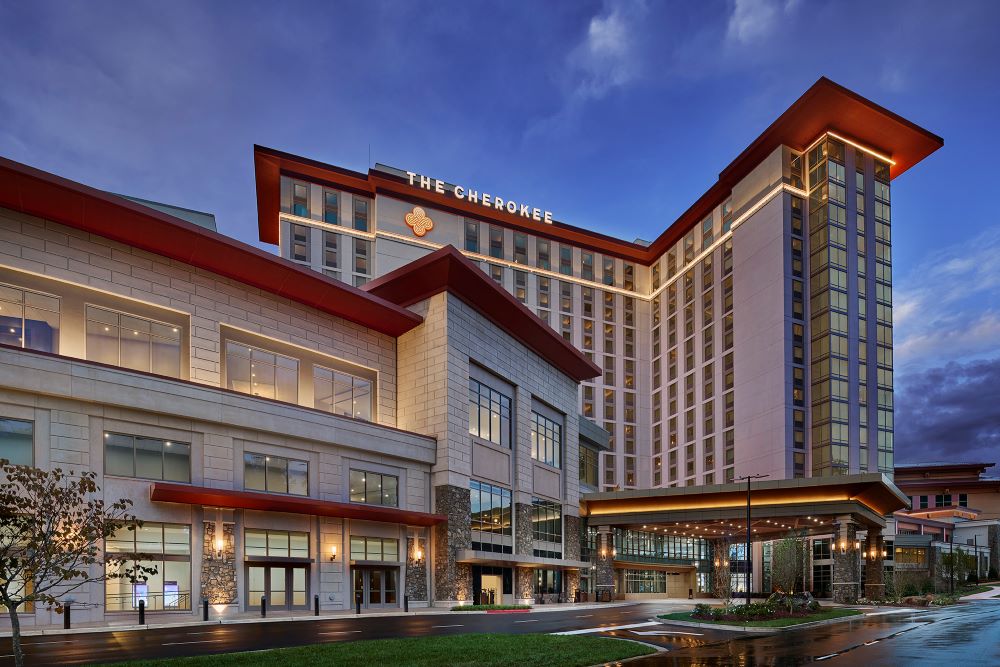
{"type": "Point", "coordinates": [992, 593]}
{"type": "Point", "coordinates": [180, 620]}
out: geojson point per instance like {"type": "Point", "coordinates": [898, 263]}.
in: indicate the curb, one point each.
{"type": "Point", "coordinates": [758, 631]}
{"type": "Point", "coordinates": [50, 631]}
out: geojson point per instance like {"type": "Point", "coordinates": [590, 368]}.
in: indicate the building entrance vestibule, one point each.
{"type": "Point", "coordinates": [284, 586]}
{"type": "Point", "coordinates": [376, 586]}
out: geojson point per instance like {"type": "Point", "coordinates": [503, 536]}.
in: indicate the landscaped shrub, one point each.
{"type": "Point", "coordinates": [992, 574]}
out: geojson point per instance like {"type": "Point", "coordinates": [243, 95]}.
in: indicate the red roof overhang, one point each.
{"type": "Point", "coordinates": [265, 502]}
{"type": "Point", "coordinates": [825, 107]}
{"type": "Point", "coordinates": [38, 193]}
{"type": "Point", "coordinates": [448, 270]}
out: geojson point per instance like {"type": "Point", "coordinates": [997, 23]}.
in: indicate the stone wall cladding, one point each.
{"type": "Point", "coordinates": [846, 568]}
{"type": "Point", "coordinates": [572, 526]}
{"type": "Point", "coordinates": [452, 581]}
{"type": "Point", "coordinates": [522, 529]}
{"type": "Point", "coordinates": [416, 574]}
{"type": "Point", "coordinates": [218, 577]}
{"type": "Point", "coordinates": [993, 536]}
{"type": "Point", "coordinates": [524, 583]}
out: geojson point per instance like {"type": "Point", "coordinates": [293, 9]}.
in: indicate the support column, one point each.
{"type": "Point", "coordinates": [605, 564]}
{"type": "Point", "coordinates": [874, 584]}
{"type": "Point", "coordinates": [522, 530]}
{"type": "Point", "coordinates": [721, 571]}
{"type": "Point", "coordinates": [416, 570]}
{"type": "Point", "coordinates": [452, 581]}
{"type": "Point", "coordinates": [846, 563]}
{"type": "Point", "coordinates": [524, 585]}
{"type": "Point", "coordinates": [218, 574]}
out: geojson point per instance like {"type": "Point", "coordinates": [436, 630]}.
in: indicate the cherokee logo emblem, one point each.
{"type": "Point", "coordinates": [418, 221]}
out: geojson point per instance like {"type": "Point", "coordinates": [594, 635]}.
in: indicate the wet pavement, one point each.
{"type": "Point", "coordinates": [966, 635]}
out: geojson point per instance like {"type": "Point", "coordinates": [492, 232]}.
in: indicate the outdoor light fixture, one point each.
{"type": "Point", "coordinates": [219, 546]}
{"type": "Point", "coordinates": [418, 556]}
{"type": "Point", "coordinates": [843, 546]}
{"type": "Point", "coordinates": [333, 553]}
{"type": "Point", "coordinates": [614, 552]}
{"type": "Point", "coordinates": [857, 545]}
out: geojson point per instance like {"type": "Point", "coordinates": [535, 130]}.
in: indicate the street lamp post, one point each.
{"type": "Point", "coordinates": [749, 557]}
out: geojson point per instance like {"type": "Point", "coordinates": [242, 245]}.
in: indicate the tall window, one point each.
{"type": "Point", "coordinates": [546, 521]}
{"type": "Point", "coordinates": [546, 440]}
{"type": "Point", "coordinates": [300, 199]}
{"type": "Point", "coordinates": [133, 342]}
{"type": "Point", "coordinates": [331, 254]}
{"type": "Point", "coordinates": [491, 515]}
{"type": "Point", "coordinates": [609, 271]}
{"type": "Point", "coordinates": [29, 319]}
{"type": "Point", "coordinates": [164, 546]}
{"type": "Point", "coordinates": [472, 236]}
{"type": "Point", "coordinates": [16, 441]}
{"type": "Point", "coordinates": [542, 259]}
{"type": "Point", "coordinates": [489, 413]}
{"type": "Point", "coordinates": [374, 488]}
{"type": "Point", "coordinates": [251, 370]}
{"type": "Point", "coordinates": [362, 253]}
{"type": "Point", "coordinates": [361, 214]}
{"type": "Point", "coordinates": [588, 466]}
{"type": "Point", "coordinates": [520, 248]}
{"type": "Point", "coordinates": [331, 207]}
{"type": "Point", "coordinates": [300, 243]}
{"type": "Point", "coordinates": [342, 393]}
{"type": "Point", "coordinates": [587, 265]}
{"type": "Point", "coordinates": [566, 260]}
{"type": "Point", "coordinates": [148, 458]}
{"type": "Point", "coordinates": [275, 474]}
{"type": "Point", "coordinates": [496, 242]}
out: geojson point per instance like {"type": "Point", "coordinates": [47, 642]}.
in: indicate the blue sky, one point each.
{"type": "Point", "coordinates": [614, 115]}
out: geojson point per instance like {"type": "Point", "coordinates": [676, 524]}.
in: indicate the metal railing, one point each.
{"type": "Point", "coordinates": [180, 601]}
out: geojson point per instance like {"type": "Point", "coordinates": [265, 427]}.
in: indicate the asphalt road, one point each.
{"type": "Point", "coordinates": [965, 635]}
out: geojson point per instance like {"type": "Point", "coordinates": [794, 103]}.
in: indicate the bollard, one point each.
{"type": "Point", "coordinates": [142, 612]}
{"type": "Point", "coordinates": [315, 605]}
{"type": "Point", "coordinates": [66, 619]}
{"type": "Point", "coordinates": [406, 603]}
{"type": "Point", "coordinates": [690, 594]}
{"type": "Point", "coordinates": [357, 603]}
{"type": "Point", "coordinates": [204, 609]}
{"type": "Point", "coordinates": [263, 606]}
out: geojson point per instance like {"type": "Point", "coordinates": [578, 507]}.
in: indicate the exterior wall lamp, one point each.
{"type": "Point", "coordinates": [418, 556]}
{"type": "Point", "coordinates": [333, 553]}
{"type": "Point", "coordinates": [843, 546]}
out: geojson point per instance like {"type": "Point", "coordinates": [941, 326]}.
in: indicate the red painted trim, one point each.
{"type": "Point", "coordinates": [449, 270]}
{"type": "Point", "coordinates": [826, 106]}
{"type": "Point", "coordinates": [267, 502]}
{"type": "Point", "coordinates": [38, 193]}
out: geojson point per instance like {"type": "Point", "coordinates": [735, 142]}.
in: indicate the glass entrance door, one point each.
{"type": "Point", "coordinates": [284, 586]}
{"type": "Point", "coordinates": [376, 587]}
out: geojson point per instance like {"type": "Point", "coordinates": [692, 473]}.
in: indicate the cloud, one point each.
{"type": "Point", "coordinates": [950, 413]}
{"type": "Point", "coordinates": [946, 308]}
{"type": "Point", "coordinates": [754, 20]}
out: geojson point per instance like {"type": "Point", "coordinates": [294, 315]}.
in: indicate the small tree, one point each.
{"type": "Point", "coordinates": [786, 565]}
{"type": "Point", "coordinates": [52, 526]}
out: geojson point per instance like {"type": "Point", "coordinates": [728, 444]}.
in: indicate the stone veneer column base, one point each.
{"type": "Point", "coordinates": [218, 577]}
{"type": "Point", "coordinates": [524, 585]}
{"type": "Point", "coordinates": [846, 565]}
{"type": "Point", "coordinates": [416, 574]}
{"type": "Point", "coordinates": [452, 581]}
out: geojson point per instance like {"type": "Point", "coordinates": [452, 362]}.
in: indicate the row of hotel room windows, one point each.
{"type": "Point", "coordinates": [30, 320]}
{"type": "Point", "coordinates": [167, 548]}
{"type": "Point", "coordinates": [169, 460]}
{"type": "Point", "coordinates": [493, 523]}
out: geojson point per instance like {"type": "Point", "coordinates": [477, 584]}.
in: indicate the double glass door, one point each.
{"type": "Point", "coordinates": [284, 586]}
{"type": "Point", "coordinates": [376, 587]}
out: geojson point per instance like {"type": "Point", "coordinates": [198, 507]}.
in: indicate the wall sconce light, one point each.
{"type": "Point", "coordinates": [884, 553]}
{"type": "Point", "coordinates": [220, 546]}
{"type": "Point", "coordinates": [716, 562]}
{"type": "Point", "coordinates": [614, 552]}
{"type": "Point", "coordinates": [857, 545]}
{"type": "Point", "coordinates": [333, 553]}
{"type": "Point", "coordinates": [604, 553]}
{"type": "Point", "coordinates": [418, 556]}
{"type": "Point", "coordinates": [843, 546]}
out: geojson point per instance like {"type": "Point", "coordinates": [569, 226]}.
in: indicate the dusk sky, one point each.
{"type": "Point", "coordinates": [615, 116]}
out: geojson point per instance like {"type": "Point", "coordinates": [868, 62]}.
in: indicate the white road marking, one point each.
{"type": "Point", "coordinates": [210, 632]}
{"type": "Point", "coordinates": [826, 657]}
{"type": "Point", "coordinates": [59, 641]}
{"type": "Point", "coordinates": [608, 628]}
{"type": "Point", "coordinates": [892, 611]}
{"type": "Point", "coordinates": [201, 641]}
{"type": "Point", "coordinates": [666, 632]}
{"type": "Point", "coordinates": [530, 620]}
{"type": "Point", "coordinates": [585, 616]}
{"type": "Point", "coordinates": [340, 632]}
{"type": "Point", "coordinates": [448, 626]}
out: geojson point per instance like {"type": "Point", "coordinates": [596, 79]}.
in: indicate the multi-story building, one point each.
{"type": "Point", "coordinates": [754, 335]}
{"type": "Point", "coordinates": [283, 435]}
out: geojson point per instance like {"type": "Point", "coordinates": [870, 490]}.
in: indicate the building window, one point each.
{"type": "Point", "coordinates": [251, 370]}
{"type": "Point", "coordinates": [566, 260]}
{"type": "Point", "coordinates": [375, 548]}
{"type": "Point", "coordinates": [331, 207]}
{"type": "Point", "coordinates": [17, 441]}
{"type": "Point", "coordinates": [491, 515]}
{"type": "Point", "coordinates": [361, 214]}
{"type": "Point", "coordinates": [913, 557]}
{"type": "Point", "coordinates": [629, 271]}
{"type": "Point", "coordinates": [300, 243]}
{"type": "Point", "coordinates": [546, 440]}
{"type": "Point", "coordinates": [374, 488]}
{"type": "Point", "coordinates": [963, 500]}
{"type": "Point", "coordinates": [29, 319]}
{"type": "Point", "coordinates": [362, 251]}
{"type": "Point", "coordinates": [608, 276]}
{"type": "Point", "coordinates": [342, 393]}
{"type": "Point", "coordinates": [275, 474]}
{"type": "Point", "coordinates": [489, 413]}
{"type": "Point", "coordinates": [163, 546]}
{"type": "Point", "coordinates": [521, 286]}
{"type": "Point", "coordinates": [520, 248]}
{"type": "Point", "coordinates": [147, 458]}
{"type": "Point", "coordinates": [587, 265]}
{"type": "Point", "coordinates": [496, 273]}
{"type": "Point", "coordinates": [472, 236]}
{"type": "Point", "coordinates": [300, 200]}
{"type": "Point", "coordinates": [275, 544]}
{"type": "Point", "coordinates": [133, 342]}
{"type": "Point", "coordinates": [331, 256]}
{"type": "Point", "coordinates": [542, 259]}
{"type": "Point", "coordinates": [923, 502]}
{"type": "Point", "coordinates": [942, 500]}
{"type": "Point", "coordinates": [546, 524]}
{"type": "Point", "coordinates": [496, 242]}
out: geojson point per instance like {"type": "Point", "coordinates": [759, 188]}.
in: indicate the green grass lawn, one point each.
{"type": "Point", "coordinates": [486, 650]}
{"type": "Point", "coordinates": [773, 623]}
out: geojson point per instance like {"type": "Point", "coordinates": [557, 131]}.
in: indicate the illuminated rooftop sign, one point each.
{"type": "Point", "coordinates": [489, 201]}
